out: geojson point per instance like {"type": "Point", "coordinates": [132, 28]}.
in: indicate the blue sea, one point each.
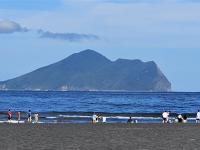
{"type": "Point", "coordinates": [78, 107]}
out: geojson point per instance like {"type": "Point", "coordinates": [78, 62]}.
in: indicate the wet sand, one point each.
{"type": "Point", "coordinates": [99, 136]}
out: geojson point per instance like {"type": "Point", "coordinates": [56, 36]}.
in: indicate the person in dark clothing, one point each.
{"type": "Point", "coordinates": [184, 118]}
{"type": "Point", "coordinates": [130, 120]}
{"type": "Point", "coordinates": [9, 116]}
{"type": "Point", "coordinates": [180, 118]}
{"type": "Point", "coordinates": [29, 116]}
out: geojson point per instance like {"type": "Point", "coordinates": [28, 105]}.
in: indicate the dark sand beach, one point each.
{"type": "Point", "coordinates": [99, 136]}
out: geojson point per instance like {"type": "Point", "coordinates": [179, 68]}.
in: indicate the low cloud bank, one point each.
{"type": "Point", "coordinates": [72, 37]}
{"type": "Point", "coordinates": [7, 26]}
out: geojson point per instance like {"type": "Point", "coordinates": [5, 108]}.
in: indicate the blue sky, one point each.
{"type": "Point", "coordinates": [36, 33]}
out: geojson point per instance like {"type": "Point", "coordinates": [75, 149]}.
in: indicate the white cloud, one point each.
{"type": "Point", "coordinates": [175, 24]}
{"type": "Point", "coordinates": [71, 37]}
{"type": "Point", "coordinates": [7, 26]}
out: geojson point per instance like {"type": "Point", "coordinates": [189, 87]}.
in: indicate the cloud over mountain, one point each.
{"type": "Point", "coordinates": [7, 26]}
{"type": "Point", "coordinates": [72, 37]}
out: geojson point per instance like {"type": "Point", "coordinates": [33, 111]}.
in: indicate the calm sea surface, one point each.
{"type": "Point", "coordinates": [104, 102]}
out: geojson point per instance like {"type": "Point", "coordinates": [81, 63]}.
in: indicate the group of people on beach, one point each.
{"type": "Point", "coordinates": [18, 116]}
{"type": "Point", "coordinates": [96, 118]}
{"type": "Point", "coordinates": [130, 120]}
{"type": "Point", "coordinates": [180, 118]}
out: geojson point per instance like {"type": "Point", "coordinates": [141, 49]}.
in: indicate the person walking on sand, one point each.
{"type": "Point", "coordinates": [18, 116]}
{"type": "Point", "coordinates": [9, 116]}
{"type": "Point", "coordinates": [29, 116]}
{"type": "Point", "coordinates": [198, 117]}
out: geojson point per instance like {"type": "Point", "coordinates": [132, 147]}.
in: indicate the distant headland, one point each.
{"type": "Point", "coordinates": [91, 71]}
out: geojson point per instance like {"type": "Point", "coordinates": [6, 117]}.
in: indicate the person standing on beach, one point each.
{"type": "Point", "coordinates": [29, 116]}
{"type": "Point", "coordinates": [184, 118]}
{"type": "Point", "coordinates": [198, 117]}
{"type": "Point", "coordinates": [36, 118]}
{"type": "Point", "coordinates": [130, 120]}
{"type": "Point", "coordinates": [180, 118]}
{"type": "Point", "coordinates": [9, 116]}
{"type": "Point", "coordinates": [165, 116]}
{"type": "Point", "coordinates": [94, 118]}
{"type": "Point", "coordinates": [104, 119]}
{"type": "Point", "coordinates": [18, 116]}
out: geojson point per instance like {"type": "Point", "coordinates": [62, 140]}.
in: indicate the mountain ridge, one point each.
{"type": "Point", "coordinates": [88, 70]}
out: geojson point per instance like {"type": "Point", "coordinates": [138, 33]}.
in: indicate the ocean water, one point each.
{"type": "Point", "coordinates": [117, 106]}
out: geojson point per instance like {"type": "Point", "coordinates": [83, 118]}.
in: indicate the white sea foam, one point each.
{"type": "Point", "coordinates": [124, 117]}
{"type": "Point", "coordinates": [191, 118]}
{"type": "Point", "coordinates": [51, 117]}
{"type": "Point", "coordinates": [111, 117]}
{"type": "Point", "coordinates": [74, 116]}
{"type": "Point", "coordinates": [40, 122]}
{"type": "Point", "coordinates": [12, 121]}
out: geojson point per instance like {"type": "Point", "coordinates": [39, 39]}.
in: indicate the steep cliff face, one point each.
{"type": "Point", "coordinates": [89, 70]}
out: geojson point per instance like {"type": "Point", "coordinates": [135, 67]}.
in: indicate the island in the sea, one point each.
{"type": "Point", "coordinates": [91, 71]}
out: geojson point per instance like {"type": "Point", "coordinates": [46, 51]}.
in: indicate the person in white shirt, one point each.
{"type": "Point", "coordinates": [94, 118]}
{"type": "Point", "coordinates": [36, 118]}
{"type": "Point", "coordinates": [198, 117]}
{"type": "Point", "coordinates": [165, 116]}
{"type": "Point", "coordinates": [104, 119]}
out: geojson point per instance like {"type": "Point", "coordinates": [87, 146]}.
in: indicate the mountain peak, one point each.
{"type": "Point", "coordinates": [88, 53]}
{"type": "Point", "coordinates": [87, 57]}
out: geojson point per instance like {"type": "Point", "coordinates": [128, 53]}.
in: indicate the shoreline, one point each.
{"type": "Point", "coordinates": [81, 117]}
